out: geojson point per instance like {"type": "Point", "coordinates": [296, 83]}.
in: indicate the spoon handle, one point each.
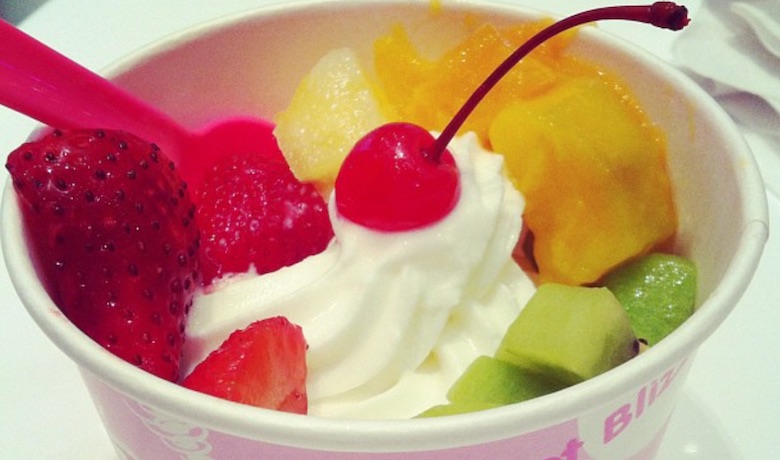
{"type": "Point", "coordinates": [43, 84]}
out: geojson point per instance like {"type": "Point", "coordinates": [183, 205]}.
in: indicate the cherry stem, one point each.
{"type": "Point", "coordinates": [666, 15]}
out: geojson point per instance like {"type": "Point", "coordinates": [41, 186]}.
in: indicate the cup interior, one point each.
{"type": "Point", "coordinates": [250, 64]}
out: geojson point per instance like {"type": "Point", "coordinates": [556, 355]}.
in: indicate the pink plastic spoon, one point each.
{"type": "Point", "coordinates": [43, 84]}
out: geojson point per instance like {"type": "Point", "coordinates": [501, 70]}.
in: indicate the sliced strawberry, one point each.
{"type": "Point", "coordinates": [253, 212]}
{"type": "Point", "coordinates": [263, 365]}
{"type": "Point", "coordinates": [113, 235]}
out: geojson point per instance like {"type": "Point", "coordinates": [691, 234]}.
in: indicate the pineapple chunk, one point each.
{"type": "Point", "coordinates": [333, 107]}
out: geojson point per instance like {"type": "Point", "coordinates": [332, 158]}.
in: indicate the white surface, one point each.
{"type": "Point", "coordinates": [729, 407]}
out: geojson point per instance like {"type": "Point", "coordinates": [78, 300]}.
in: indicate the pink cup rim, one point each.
{"type": "Point", "coordinates": [416, 434]}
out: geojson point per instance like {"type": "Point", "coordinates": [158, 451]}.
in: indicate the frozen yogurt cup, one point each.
{"type": "Point", "coordinates": [250, 63]}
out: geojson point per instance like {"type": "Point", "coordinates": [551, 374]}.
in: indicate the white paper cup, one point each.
{"type": "Point", "coordinates": [251, 64]}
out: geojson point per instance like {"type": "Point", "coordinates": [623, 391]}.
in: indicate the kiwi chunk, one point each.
{"type": "Point", "coordinates": [569, 334]}
{"type": "Point", "coordinates": [456, 408]}
{"type": "Point", "coordinates": [492, 381]}
{"type": "Point", "coordinates": [658, 291]}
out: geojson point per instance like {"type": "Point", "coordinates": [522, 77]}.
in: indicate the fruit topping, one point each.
{"type": "Point", "coordinates": [563, 336]}
{"type": "Point", "coordinates": [121, 247]}
{"type": "Point", "coordinates": [569, 334]}
{"type": "Point", "coordinates": [222, 137]}
{"type": "Point", "coordinates": [455, 409]}
{"type": "Point", "coordinates": [389, 182]}
{"type": "Point", "coordinates": [658, 291]}
{"type": "Point", "coordinates": [660, 14]}
{"type": "Point", "coordinates": [491, 380]}
{"type": "Point", "coordinates": [113, 236]}
{"type": "Point", "coordinates": [428, 91]}
{"type": "Point", "coordinates": [356, 197]}
{"type": "Point", "coordinates": [263, 365]}
{"type": "Point", "coordinates": [333, 107]}
{"type": "Point", "coordinates": [255, 214]}
{"type": "Point", "coordinates": [593, 171]}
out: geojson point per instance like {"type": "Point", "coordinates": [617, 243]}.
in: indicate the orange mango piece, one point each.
{"type": "Point", "coordinates": [591, 165]}
{"type": "Point", "coordinates": [429, 92]}
{"type": "Point", "coordinates": [593, 171]}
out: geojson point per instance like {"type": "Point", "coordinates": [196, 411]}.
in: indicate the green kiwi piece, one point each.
{"type": "Point", "coordinates": [569, 334]}
{"type": "Point", "coordinates": [658, 291]}
{"type": "Point", "coordinates": [455, 408]}
{"type": "Point", "coordinates": [492, 381]}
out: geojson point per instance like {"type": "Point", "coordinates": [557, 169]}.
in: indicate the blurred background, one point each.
{"type": "Point", "coordinates": [14, 11]}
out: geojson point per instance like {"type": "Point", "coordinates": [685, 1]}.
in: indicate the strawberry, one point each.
{"type": "Point", "coordinates": [263, 365]}
{"type": "Point", "coordinates": [253, 212]}
{"type": "Point", "coordinates": [113, 236]}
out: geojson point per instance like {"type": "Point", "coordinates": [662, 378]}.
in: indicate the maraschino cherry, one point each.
{"type": "Point", "coordinates": [399, 177]}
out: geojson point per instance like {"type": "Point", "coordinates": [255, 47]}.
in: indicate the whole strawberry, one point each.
{"type": "Point", "coordinates": [112, 231]}
{"type": "Point", "coordinates": [254, 213]}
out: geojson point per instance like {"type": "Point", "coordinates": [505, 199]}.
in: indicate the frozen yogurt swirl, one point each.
{"type": "Point", "coordinates": [391, 318]}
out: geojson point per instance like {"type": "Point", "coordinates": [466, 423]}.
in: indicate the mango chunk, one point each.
{"type": "Point", "coordinates": [429, 91]}
{"type": "Point", "coordinates": [593, 171]}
